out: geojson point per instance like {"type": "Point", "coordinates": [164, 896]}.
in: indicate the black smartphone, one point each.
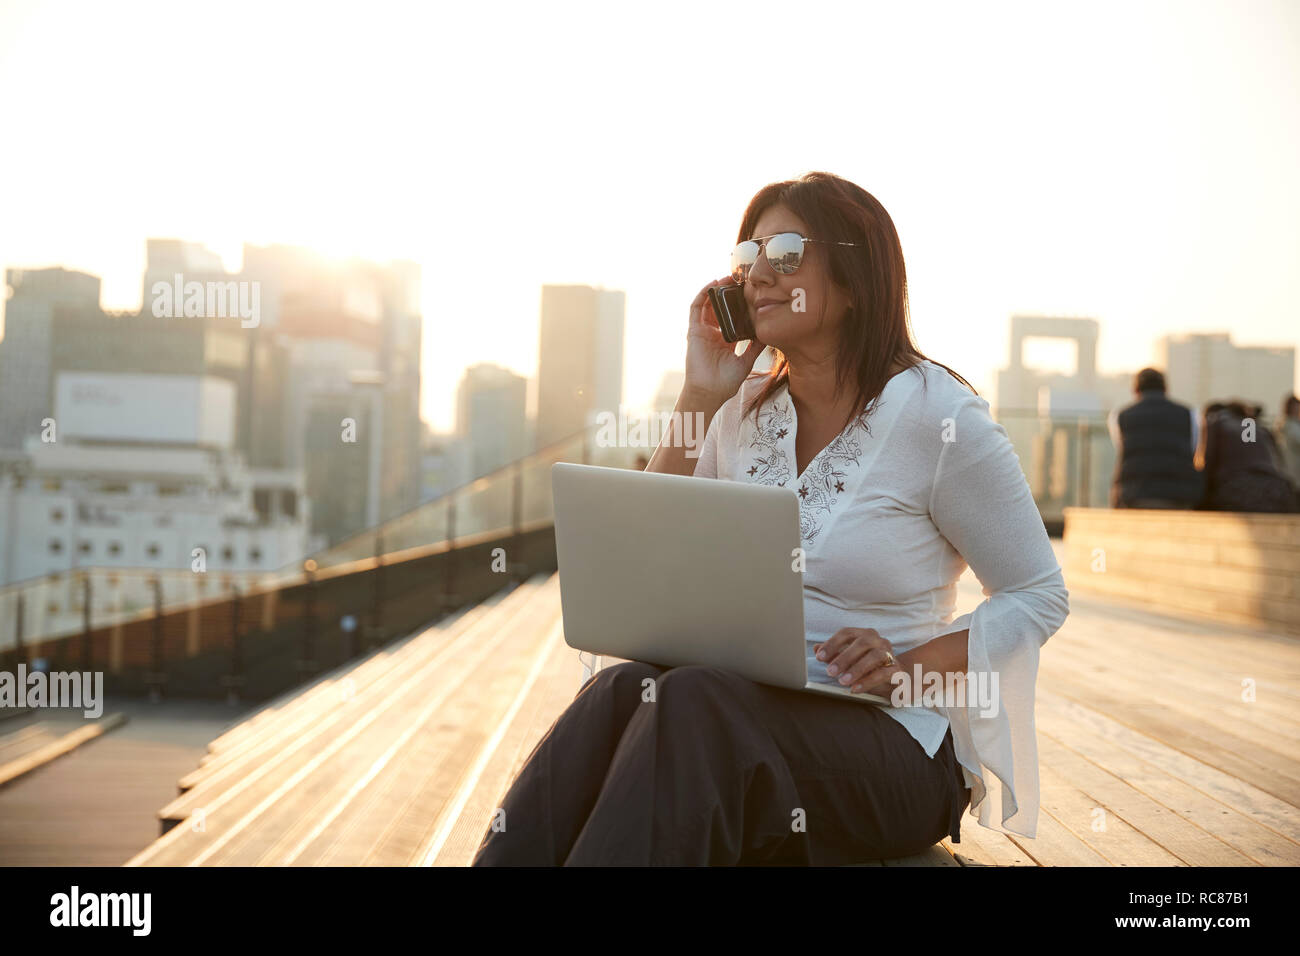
{"type": "Point", "coordinates": [729, 305]}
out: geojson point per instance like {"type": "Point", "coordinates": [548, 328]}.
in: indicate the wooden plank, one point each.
{"type": "Point", "coordinates": [1188, 690]}
{"type": "Point", "coordinates": [1242, 567]}
{"type": "Point", "coordinates": [356, 799]}
{"type": "Point", "coordinates": [1170, 641]}
{"type": "Point", "coordinates": [236, 805]}
{"type": "Point", "coordinates": [1055, 845]}
{"type": "Point", "coordinates": [428, 852]}
{"type": "Point", "coordinates": [387, 824]}
{"type": "Point", "coordinates": [300, 718]}
{"type": "Point", "coordinates": [1143, 561]}
{"type": "Point", "coordinates": [377, 662]}
{"type": "Point", "coordinates": [1207, 553]}
{"type": "Point", "coordinates": [1182, 841]}
{"type": "Point", "coordinates": [1206, 743]}
{"type": "Point", "coordinates": [982, 846]}
{"type": "Point", "coordinates": [548, 700]}
{"type": "Point", "coordinates": [1237, 553]}
{"type": "Point", "coordinates": [1261, 806]}
{"type": "Point", "coordinates": [1106, 832]}
{"type": "Point", "coordinates": [1159, 674]}
{"type": "Point", "coordinates": [1220, 821]}
{"type": "Point", "coordinates": [1262, 608]}
{"type": "Point", "coordinates": [69, 742]}
{"type": "Point", "coordinates": [1101, 610]}
{"type": "Point", "coordinates": [937, 855]}
{"type": "Point", "coordinates": [1185, 634]}
{"type": "Point", "coordinates": [254, 757]}
{"type": "Point", "coordinates": [24, 739]}
{"type": "Point", "coordinates": [1268, 529]}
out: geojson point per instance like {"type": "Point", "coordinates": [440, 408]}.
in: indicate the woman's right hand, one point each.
{"type": "Point", "coordinates": [713, 369]}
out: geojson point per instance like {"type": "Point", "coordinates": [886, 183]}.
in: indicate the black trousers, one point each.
{"type": "Point", "coordinates": [697, 766]}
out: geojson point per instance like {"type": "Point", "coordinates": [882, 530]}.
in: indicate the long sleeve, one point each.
{"type": "Point", "coordinates": [982, 504]}
{"type": "Point", "coordinates": [706, 466]}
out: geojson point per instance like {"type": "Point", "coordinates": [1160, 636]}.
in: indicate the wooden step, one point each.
{"type": "Point", "coordinates": [293, 716]}
{"type": "Point", "coordinates": [307, 774]}
{"type": "Point", "coordinates": [323, 710]}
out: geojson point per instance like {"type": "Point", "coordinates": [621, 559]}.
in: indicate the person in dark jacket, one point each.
{"type": "Point", "coordinates": [1241, 463]}
{"type": "Point", "coordinates": [1155, 442]}
{"type": "Point", "coordinates": [1288, 439]}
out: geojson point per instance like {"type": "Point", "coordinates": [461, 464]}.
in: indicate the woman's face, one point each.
{"type": "Point", "coordinates": [806, 308]}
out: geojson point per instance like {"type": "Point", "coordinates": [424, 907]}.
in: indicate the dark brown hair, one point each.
{"type": "Point", "coordinates": [877, 329]}
{"type": "Point", "coordinates": [1149, 379]}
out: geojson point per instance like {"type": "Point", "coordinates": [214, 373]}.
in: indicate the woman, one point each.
{"type": "Point", "coordinates": [902, 479]}
{"type": "Point", "coordinates": [1288, 440]}
{"type": "Point", "coordinates": [1243, 469]}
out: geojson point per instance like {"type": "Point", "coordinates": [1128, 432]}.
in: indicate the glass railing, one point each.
{"type": "Point", "coordinates": [1068, 461]}
{"type": "Point", "coordinates": [515, 496]}
{"type": "Point", "coordinates": [509, 499]}
{"type": "Point", "coordinates": [61, 604]}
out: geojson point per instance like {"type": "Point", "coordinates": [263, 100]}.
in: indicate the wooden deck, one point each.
{"type": "Point", "coordinates": [1148, 755]}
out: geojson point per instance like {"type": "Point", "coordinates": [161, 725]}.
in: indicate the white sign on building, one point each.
{"type": "Point", "coordinates": [164, 409]}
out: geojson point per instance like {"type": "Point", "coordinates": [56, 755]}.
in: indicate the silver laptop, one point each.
{"type": "Point", "coordinates": [673, 571]}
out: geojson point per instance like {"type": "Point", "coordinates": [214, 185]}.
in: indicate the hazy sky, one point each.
{"type": "Point", "coordinates": [1135, 162]}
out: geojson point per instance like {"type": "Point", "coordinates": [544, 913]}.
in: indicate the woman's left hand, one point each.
{"type": "Point", "coordinates": [860, 659]}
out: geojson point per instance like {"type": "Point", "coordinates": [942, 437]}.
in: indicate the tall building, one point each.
{"type": "Point", "coordinates": [338, 458]}
{"type": "Point", "coordinates": [580, 359]}
{"type": "Point", "coordinates": [402, 320]}
{"type": "Point", "coordinates": [248, 353]}
{"type": "Point", "coordinates": [71, 333]}
{"type": "Point", "coordinates": [165, 259]}
{"type": "Point", "coordinates": [36, 296]}
{"type": "Point", "coordinates": [352, 334]}
{"type": "Point", "coordinates": [490, 417]}
{"type": "Point", "coordinates": [1205, 367]}
{"type": "Point", "coordinates": [326, 340]}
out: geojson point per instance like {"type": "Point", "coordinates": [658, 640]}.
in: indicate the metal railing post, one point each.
{"type": "Point", "coordinates": [19, 656]}
{"type": "Point", "coordinates": [449, 601]}
{"type": "Point", "coordinates": [310, 620]}
{"type": "Point", "coordinates": [156, 676]}
{"type": "Point", "coordinates": [1085, 463]}
{"type": "Point", "coordinates": [517, 568]}
{"type": "Point", "coordinates": [85, 623]}
{"type": "Point", "coordinates": [236, 678]}
{"type": "Point", "coordinates": [375, 635]}
{"type": "Point", "coordinates": [517, 500]}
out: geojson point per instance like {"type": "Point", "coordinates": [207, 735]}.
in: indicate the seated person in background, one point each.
{"type": "Point", "coordinates": [1155, 441]}
{"type": "Point", "coordinates": [1241, 472]}
{"type": "Point", "coordinates": [1288, 440]}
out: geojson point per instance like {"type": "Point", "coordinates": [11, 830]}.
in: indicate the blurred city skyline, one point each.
{"type": "Point", "coordinates": [1134, 164]}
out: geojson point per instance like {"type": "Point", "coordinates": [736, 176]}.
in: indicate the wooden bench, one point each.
{"type": "Point", "coordinates": [363, 768]}
{"type": "Point", "coordinates": [1232, 567]}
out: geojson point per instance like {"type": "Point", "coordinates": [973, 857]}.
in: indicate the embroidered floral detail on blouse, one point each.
{"type": "Point", "coordinates": [774, 467]}
{"type": "Point", "coordinates": [824, 478]}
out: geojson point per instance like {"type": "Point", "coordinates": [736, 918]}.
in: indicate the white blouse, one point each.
{"type": "Point", "coordinates": [891, 513]}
